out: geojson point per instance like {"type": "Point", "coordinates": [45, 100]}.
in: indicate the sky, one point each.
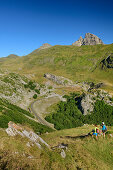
{"type": "Point", "coordinates": [26, 24]}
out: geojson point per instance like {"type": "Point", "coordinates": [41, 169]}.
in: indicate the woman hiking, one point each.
{"type": "Point", "coordinates": [95, 132]}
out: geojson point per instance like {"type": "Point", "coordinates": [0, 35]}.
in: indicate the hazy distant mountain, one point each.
{"type": "Point", "coordinates": [12, 55]}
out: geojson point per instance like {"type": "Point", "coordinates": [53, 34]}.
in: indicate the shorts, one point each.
{"type": "Point", "coordinates": [95, 134]}
{"type": "Point", "coordinates": [103, 131]}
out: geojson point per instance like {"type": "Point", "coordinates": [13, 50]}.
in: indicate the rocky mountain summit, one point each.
{"type": "Point", "coordinates": [90, 39]}
{"type": "Point", "coordinates": [45, 45]}
{"type": "Point", "coordinates": [12, 56]}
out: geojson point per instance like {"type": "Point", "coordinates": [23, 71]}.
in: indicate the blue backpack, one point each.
{"type": "Point", "coordinates": [104, 128]}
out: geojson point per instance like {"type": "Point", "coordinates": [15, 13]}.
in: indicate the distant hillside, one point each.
{"type": "Point", "coordinates": [12, 55]}
{"type": "Point", "coordinates": [77, 63]}
{"type": "Point", "coordinates": [54, 71]}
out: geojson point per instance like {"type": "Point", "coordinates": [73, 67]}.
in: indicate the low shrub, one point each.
{"type": "Point", "coordinates": [35, 96]}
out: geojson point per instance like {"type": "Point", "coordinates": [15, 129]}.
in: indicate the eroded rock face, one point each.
{"type": "Point", "coordinates": [87, 101]}
{"type": "Point", "coordinates": [58, 79]}
{"type": "Point", "coordinates": [90, 39]}
{"type": "Point", "coordinates": [107, 62]}
{"type": "Point", "coordinates": [87, 104]}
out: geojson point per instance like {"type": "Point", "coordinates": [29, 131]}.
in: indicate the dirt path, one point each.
{"type": "Point", "coordinates": [39, 108]}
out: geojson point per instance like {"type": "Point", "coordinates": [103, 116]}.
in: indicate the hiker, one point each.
{"type": "Point", "coordinates": [95, 132]}
{"type": "Point", "coordinates": [104, 129]}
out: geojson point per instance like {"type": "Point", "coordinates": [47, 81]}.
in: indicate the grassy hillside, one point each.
{"type": "Point", "coordinates": [82, 153]}
{"type": "Point", "coordinates": [10, 112]}
{"type": "Point", "coordinates": [77, 63]}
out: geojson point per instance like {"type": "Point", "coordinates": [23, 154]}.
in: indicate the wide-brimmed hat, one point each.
{"type": "Point", "coordinates": [103, 123]}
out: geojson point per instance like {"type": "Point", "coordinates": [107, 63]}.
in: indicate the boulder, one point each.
{"type": "Point", "coordinates": [63, 154]}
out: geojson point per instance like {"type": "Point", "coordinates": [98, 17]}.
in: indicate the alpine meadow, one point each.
{"type": "Point", "coordinates": [56, 85]}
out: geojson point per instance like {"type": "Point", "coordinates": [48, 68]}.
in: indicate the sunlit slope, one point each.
{"type": "Point", "coordinates": [81, 153]}
{"type": "Point", "coordinates": [77, 63]}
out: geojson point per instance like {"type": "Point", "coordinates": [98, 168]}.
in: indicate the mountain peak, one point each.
{"type": "Point", "coordinates": [12, 55]}
{"type": "Point", "coordinates": [45, 45]}
{"type": "Point", "coordinates": [90, 39]}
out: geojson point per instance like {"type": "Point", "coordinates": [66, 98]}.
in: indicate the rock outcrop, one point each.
{"type": "Point", "coordinates": [107, 62]}
{"type": "Point", "coordinates": [87, 104]}
{"type": "Point", "coordinates": [87, 100]}
{"type": "Point", "coordinates": [90, 39]}
{"type": "Point", "coordinates": [79, 42]}
{"type": "Point", "coordinates": [45, 45]}
{"type": "Point", "coordinates": [58, 79]}
{"type": "Point", "coordinates": [12, 88]}
{"type": "Point", "coordinates": [14, 130]}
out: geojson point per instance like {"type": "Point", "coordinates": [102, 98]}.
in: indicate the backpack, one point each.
{"type": "Point", "coordinates": [97, 130]}
{"type": "Point", "coordinates": [106, 129]}
{"type": "Point", "coordinates": [93, 130]}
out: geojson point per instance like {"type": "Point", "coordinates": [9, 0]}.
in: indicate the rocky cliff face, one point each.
{"type": "Point", "coordinates": [86, 101]}
{"type": "Point", "coordinates": [90, 39]}
{"type": "Point", "coordinates": [107, 62]}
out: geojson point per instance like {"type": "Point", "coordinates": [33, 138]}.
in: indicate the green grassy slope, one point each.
{"type": "Point", "coordinates": [82, 153]}
{"type": "Point", "coordinates": [77, 63]}
{"type": "Point", "coordinates": [10, 112]}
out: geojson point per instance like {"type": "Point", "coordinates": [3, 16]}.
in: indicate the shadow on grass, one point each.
{"type": "Point", "coordinates": [78, 137]}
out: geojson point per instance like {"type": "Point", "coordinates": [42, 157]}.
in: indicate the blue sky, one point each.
{"type": "Point", "coordinates": [26, 24]}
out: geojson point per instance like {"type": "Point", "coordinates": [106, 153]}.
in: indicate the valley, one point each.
{"type": "Point", "coordinates": [59, 93]}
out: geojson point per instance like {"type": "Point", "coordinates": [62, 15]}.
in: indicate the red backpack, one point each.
{"type": "Point", "coordinates": [97, 130]}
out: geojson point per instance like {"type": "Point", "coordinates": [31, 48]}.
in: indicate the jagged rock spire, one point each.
{"type": "Point", "coordinates": [90, 39]}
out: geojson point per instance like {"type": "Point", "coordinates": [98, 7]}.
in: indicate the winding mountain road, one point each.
{"type": "Point", "coordinates": [41, 120]}
{"type": "Point", "coordinates": [39, 107]}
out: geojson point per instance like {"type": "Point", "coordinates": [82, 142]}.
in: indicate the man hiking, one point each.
{"type": "Point", "coordinates": [104, 129]}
